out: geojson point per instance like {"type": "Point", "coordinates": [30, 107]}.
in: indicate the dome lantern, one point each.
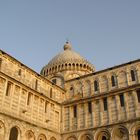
{"type": "Point", "coordinates": [67, 46]}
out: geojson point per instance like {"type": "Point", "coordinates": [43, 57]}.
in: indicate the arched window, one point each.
{"type": "Point", "coordinates": [133, 75]}
{"type": "Point", "coordinates": [66, 65]}
{"type": "Point", "coordinates": [138, 134]}
{"type": "Point", "coordinates": [42, 137]}
{"type": "Point", "coordinates": [51, 93]}
{"type": "Point", "coordinates": [59, 67]}
{"type": "Point", "coordinates": [55, 68]}
{"type": "Point", "coordinates": [72, 91]}
{"type": "Point", "coordinates": [52, 138]}
{"type": "Point", "coordinates": [104, 138]}
{"type": "Point", "coordinates": [29, 99]}
{"type": "Point", "coordinates": [0, 62]}
{"type": "Point", "coordinates": [96, 86]}
{"type": "Point", "coordinates": [113, 81]}
{"type": "Point", "coordinates": [86, 137]}
{"type": "Point", "coordinates": [47, 72]}
{"type": "Point", "coordinates": [13, 134]}
{"type": "Point", "coordinates": [52, 69]}
{"type": "Point", "coordinates": [54, 81]}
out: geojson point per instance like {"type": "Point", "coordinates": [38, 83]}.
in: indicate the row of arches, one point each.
{"type": "Point", "coordinates": [117, 133]}
{"type": "Point", "coordinates": [104, 83]}
{"type": "Point", "coordinates": [15, 133]}
{"type": "Point", "coordinates": [29, 135]}
{"type": "Point", "coordinates": [67, 66]}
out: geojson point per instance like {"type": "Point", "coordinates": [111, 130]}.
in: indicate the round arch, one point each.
{"type": "Point", "coordinates": [14, 133]}
{"type": "Point", "coordinates": [135, 131]}
{"type": "Point", "coordinates": [59, 79]}
{"type": "Point", "coordinates": [120, 132]}
{"type": "Point", "coordinates": [71, 138]}
{"type": "Point", "coordinates": [103, 134]}
{"type": "Point", "coordinates": [52, 138]}
{"type": "Point", "coordinates": [86, 136]}
{"type": "Point", "coordinates": [42, 137]}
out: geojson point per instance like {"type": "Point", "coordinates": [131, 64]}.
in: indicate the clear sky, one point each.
{"type": "Point", "coordinates": [105, 32]}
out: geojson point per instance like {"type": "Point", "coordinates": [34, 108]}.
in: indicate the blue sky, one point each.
{"type": "Point", "coordinates": [105, 32]}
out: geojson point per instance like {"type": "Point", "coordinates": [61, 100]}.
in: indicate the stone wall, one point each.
{"type": "Point", "coordinates": [118, 131]}
{"type": "Point", "coordinates": [112, 104]}
{"type": "Point", "coordinates": [27, 97]}
{"type": "Point", "coordinates": [28, 77]}
{"type": "Point", "coordinates": [25, 131]}
{"type": "Point", "coordinates": [101, 106]}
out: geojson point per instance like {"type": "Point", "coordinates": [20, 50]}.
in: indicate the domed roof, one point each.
{"type": "Point", "coordinates": [68, 57]}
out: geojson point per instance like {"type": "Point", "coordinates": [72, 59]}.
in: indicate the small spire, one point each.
{"type": "Point", "coordinates": [67, 46]}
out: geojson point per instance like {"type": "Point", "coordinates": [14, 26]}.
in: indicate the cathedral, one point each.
{"type": "Point", "coordinates": [69, 99]}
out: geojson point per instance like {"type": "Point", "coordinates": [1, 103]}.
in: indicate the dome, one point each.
{"type": "Point", "coordinates": [67, 60]}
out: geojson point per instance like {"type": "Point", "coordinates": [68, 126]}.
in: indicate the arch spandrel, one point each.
{"type": "Point", "coordinates": [52, 138]}
{"type": "Point", "coordinates": [87, 88]}
{"type": "Point", "coordinates": [122, 79]}
{"type": "Point", "coordinates": [71, 138]}
{"type": "Point", "coordinates": [86, 136]}
{"type": "Point", "coordinates": [30, 135]}
{"type": "Point", "coordinates": [2, 130]}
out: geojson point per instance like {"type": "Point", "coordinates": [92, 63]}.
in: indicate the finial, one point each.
{"type": "Point", "coordinates": [67, 46]}
{"type": "Point", "coordinates": [67, 40]}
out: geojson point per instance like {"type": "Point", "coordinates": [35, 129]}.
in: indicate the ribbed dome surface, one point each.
{"type": "Point", "coordinates": [67, 57]}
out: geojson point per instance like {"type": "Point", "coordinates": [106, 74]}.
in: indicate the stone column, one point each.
{"type": "Point", "coordinates": [86, 113]}
{"type": "Point", "coordinates": [109, 82]}
{"type": "Point", "coordinates": [128, 76]}
{"type": "Point", "coordinates": [93, 113]}
{"type": "Point", "coordinates": [78, 115]}
{"type": "Point", "coordinates": [70, 117]}
{"type": "Point", "coordinates": [109, 109]}
{"type": "Point", "coordinates": [137, 104]}
{"type": "Point", "coordinates": [92, 88]}
{"type": "Point", "coordinates": [101, 110]}
{"type": "Point", "coordinates": [118, 107]}
{"type": "Point", "coordinates": [96, 118]}
{"type": "Point", "coordinates": [3, 84]}
{"type": "Point", "coordinates": [126, 100]}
